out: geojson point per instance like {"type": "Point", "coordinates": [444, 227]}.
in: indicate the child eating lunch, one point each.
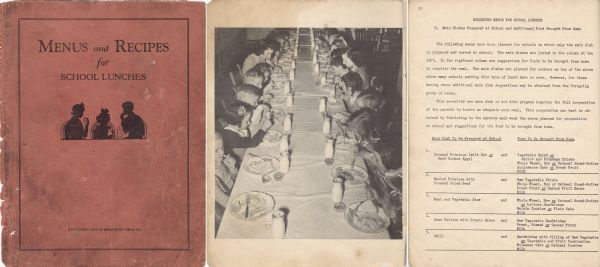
{"type": "Point", "coordinates": [261, 54]}
{"type": "Point", "coordinates": [225, 173]}
{"type": "Point", "coordinates": [355, 61]}
{"type": "Point", "coordinates": [236, 133]}
{"type": "Point", "coordinates": [265, 70]}
{"type": "Point", "coordinates": [253, 77]}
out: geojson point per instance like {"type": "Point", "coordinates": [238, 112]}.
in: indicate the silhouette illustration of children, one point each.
{"type": "Point", "coordinates": [74, 129]}
{"type": "Point", "coordinates": [103, 129]}
{"type": "Point", "coordinates": [132, 124]}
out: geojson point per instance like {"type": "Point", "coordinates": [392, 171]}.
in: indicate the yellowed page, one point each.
{"type": "Point", "coordinates": [292, 252]}
{"type": "Point", "coordinates": [503, 133]}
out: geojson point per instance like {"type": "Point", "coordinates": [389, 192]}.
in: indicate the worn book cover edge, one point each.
{"type": "Point", "coordinates": [9, 188]}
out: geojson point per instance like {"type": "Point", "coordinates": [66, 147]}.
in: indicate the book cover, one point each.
{"type": "Point", "coordinates": [103, 127]}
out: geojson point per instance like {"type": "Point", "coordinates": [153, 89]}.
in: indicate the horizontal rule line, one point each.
{"type": "Point", "coordinates": [493, 193]}
{"type": "Point", "coordinates": [514, 230]}
{"type": "Point", "coordinates": [512, 250]}
{"type": "Point", "coordinates": [467, 140]}
{"type": "Point", "coordinates": [566, 173]}
{"type": "Point", "coordinates": [570, 141]}
{"type": "Point", "coordinates": [499, 213]}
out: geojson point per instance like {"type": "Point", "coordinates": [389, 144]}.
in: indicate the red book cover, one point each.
{"type": "Point", "coordinates": [103, 127]}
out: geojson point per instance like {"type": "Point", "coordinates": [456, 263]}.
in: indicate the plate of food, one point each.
{"type": "Point", "coordinates": [356, 175]}
{"type": "Point", "coordinates": [364, 216]}
{"type": "Point", "coordinates": [272, 136]}
{"type": "Point", "coordinates": [260, 165]}
{"type": "Point", "coordinates": [251, 205]}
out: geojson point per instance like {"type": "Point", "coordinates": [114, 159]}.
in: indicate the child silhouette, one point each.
{"type": "Point", "coordinates": [103, 129]}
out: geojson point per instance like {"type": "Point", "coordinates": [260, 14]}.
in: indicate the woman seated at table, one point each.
{"type": "Point", "coordinates": [225, 173]}
{"type": "Point", "coordinates": [261, 54]}
{"type": "Point", "coordinates": [236, 133]}
{"type": "Point", "coordinates": [354, 60]}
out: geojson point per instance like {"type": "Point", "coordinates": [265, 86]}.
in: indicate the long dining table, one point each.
{"type": "Point", "coordinates": [305, 191]}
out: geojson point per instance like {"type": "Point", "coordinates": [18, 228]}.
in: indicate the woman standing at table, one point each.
{"type": "Point", "coordinates": [225, 173]}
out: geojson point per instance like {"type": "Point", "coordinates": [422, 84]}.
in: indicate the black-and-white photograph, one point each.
{"type": "Point", "coordinates": [308, 125]}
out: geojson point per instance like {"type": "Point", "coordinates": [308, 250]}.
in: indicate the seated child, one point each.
{"type": "Point", "coordinates": [265, 70]}
{"type": "Point", "coordinates": [262, 53]}
{"type": "Point", "coordinates": [370, 99]}
{"type": "Point", "coordinates": [248, 94]}
{"type": "Point", "coordinates": [351, 84]}
{"type": "Point", "coordinates": [225, 173]}
{"type": "Point", "coordinates": [253, 77]}
{"type": "Point", "coordinates": [363, 127]}
{"type": "Point", "coordinates": [355, 61]}
{"type": "Point", "coordinates": [236, 133]}
{"type": "Point", "coordinates": [103, 129]}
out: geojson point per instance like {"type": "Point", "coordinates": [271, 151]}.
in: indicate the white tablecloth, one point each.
{"type": "Point", "coordinates": [305, 192]}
